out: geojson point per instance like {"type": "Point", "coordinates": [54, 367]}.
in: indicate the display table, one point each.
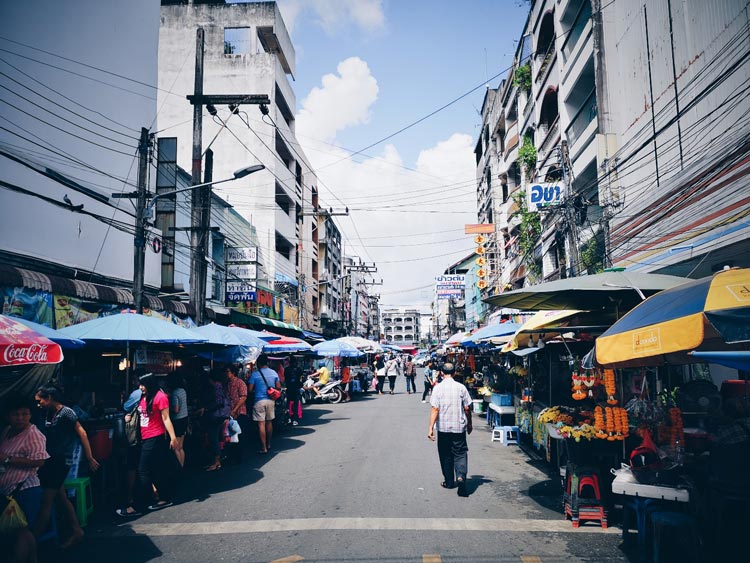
{"type": "Point", "coordinates": [626, 484]}
{"type": "Point", "coordinates": [495, 413]}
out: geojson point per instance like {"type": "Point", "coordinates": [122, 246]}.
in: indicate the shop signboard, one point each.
{"type": "Point", "coordinates": [542, 195]}
{"type": "Point", "coordinates": [246, 254]}
{"type": "Point", "coordinates": [242, 271]}
{"type": "Point", "coordinates": [238, 291]}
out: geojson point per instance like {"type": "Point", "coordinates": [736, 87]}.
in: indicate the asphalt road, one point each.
{"type": "Point", "coordinates": [358, 482]}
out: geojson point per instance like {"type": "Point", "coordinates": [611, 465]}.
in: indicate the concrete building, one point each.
{"type": "Point", "coordinates": [611, 115]}
{"type": "Point", "coordinates": [247, 52]}
{"type": "Point", "coordinates": [401, 326]}
{"type": "Point", "coordinates": [69, 141]}
{"type": "Point", "coordinates": [331, 283]}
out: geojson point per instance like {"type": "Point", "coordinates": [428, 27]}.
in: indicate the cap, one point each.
{"type": "Point", "coordinates": [145, 376]}
{"type": "Point", "coordinates": [448, 368]}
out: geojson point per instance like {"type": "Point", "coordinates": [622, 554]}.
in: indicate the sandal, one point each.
{"type": "Point", "coordinates": [127, 512]}
{"type": "Point", "coordinates": [447, 486]}
{"type": "Point", "coordinates": [263, 452]}
{"type": "Point", "coordinates": [213, 467]}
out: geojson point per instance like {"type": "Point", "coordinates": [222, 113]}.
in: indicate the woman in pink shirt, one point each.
{"type": "Point", "coordinates": [156, 463]}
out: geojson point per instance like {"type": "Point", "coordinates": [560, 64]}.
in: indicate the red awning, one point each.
{"type": "Point", "coordinates": [19, 345]}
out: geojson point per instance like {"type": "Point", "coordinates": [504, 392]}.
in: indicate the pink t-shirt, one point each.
{"type": "Point", "coordinates": [152, 423]}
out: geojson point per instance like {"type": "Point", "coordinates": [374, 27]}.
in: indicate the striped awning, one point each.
{"type": "Point", "coordinates": [257, 322]}
{"type": "Point", "coordinates": [21, 277]}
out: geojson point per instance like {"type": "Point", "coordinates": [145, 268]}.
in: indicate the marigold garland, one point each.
{"type": "Point", "coordinates": [609, 385]}
{"type": "Point", "coordinates": [599, 424]}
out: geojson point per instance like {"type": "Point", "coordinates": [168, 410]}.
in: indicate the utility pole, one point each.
{"type": "Point", "coordinates": [572, 255]}
{"type": "Point", "coordinates": [200, 213]}
{"type": "Point", "coordinates": [139, 242]}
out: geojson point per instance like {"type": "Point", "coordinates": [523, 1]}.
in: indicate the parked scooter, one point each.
{"type": "Point", "coordinates": [330, 392]}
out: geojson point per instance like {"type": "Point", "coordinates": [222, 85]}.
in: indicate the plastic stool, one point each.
{"type": "Point", "coordinates": [509, 435]}
{"type": "Point", "coordinates": [684, 530]}
{"type": "Point", "coordinates": [497, 434]}
{"type": "Point", "coordinates": [84, 502]}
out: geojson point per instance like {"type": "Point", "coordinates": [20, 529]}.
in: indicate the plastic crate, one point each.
{"type": "Point", "coordinates": [502, 399]}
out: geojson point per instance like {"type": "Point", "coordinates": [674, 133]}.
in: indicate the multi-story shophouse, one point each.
{"type": "Point", "coordinates": [331, 283]}
{"type": "Point", "coordinates": [247, 53]}
{"type": "Point", "coordinates": [401, 326]}
{"type": "Point", "coordinates": [626, 110]}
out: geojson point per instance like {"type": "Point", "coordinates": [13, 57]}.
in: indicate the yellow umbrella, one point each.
{"type": "Point", "coordinates": [542, 319]}
{"type": "Point", "coordinates": [709, 313]}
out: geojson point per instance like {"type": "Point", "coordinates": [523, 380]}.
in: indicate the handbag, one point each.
{"type": "Point", "coordinates": [133, 428]}
{"type": "Point", "coordinates": [273, 393]}
{"type": "Point", "coordinates": [12, 517]}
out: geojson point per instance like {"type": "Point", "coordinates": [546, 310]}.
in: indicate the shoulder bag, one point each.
{"type": "Point", "coordinates": [133, 427]}
{"type": "Point", "coordinates": [273, 393]}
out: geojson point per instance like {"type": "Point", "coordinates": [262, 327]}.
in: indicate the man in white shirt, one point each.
{"type": "Point", "coordinates": [451, 413]}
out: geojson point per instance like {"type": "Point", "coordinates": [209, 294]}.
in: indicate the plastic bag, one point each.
{"type": "Point", "coordinates": [12, 517]}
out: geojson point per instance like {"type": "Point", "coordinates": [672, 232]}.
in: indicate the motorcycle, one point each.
{"type": "Point", "coordinates": [330, 392]}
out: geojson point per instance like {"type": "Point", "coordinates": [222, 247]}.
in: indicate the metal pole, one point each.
{"type": "Point", "coordinates": [197, 282]}
{"type": "Point", "coordinates": [139, 242]}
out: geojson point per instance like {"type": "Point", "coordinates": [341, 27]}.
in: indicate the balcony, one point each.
{"type": "Point", "coordinates": [577, 28]}
{"type": "Point", "coordinates": [581, 120]}
{"type": "Point", "coordinates": [550, 139]}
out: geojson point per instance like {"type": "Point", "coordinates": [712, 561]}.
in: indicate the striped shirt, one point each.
{"type": "Point", "coordinates": [450, 398]}
{"type": "Point", "coordinates": [29, 444]}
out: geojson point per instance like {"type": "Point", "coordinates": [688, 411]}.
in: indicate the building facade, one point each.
{"type": "Point", "coordinates": [610, 138]}
{"type": "Point", "coordinates": [247, 52]}
{"type": "Point", "coordinates": [401, 326]}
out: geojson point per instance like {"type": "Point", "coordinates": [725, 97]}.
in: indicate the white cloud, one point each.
{"type": "Point", "coordinates": [334, 15]}
{"type": "Point", "coordinates": [382, 194]}
{"type": "Point", "coordinates": [343, 100]}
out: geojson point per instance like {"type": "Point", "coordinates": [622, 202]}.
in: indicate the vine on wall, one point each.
{"type": "Point", "coordinates": [530, 229]}
{"type": "Point", "coordinates": [527, 156]}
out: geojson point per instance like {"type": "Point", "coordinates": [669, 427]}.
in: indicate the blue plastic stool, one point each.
{"type": "Point", "coordinates": [683, 529]}
{"type": "Point", "coordinates": [509, 435]}
{"type": "Point", "coordinates": [640, 509]}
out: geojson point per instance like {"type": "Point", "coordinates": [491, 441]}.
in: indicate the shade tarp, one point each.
{"type": "Point", "coordinates": [336, 348]}
{"type": "Point", "coordinates": [738, 360]}
{"type": "Point", "coordinates": [490, 332]}
{"type": "Point", "coordinates": [54, 335]}
{"type": "Point", "coordinates": [619, 290]}
{"type": "Point", "coordinates": [20, 345]}
{"type": "Point", "coordinates": [132, 327]}
{"type": "Point", "coordinates": [711, 313]}
{"type": "Point", "coordinates": [363, 344]}
{"type": "Point", "coordinates": [542, 319]}
{"type": "Point", "coordinates": [229, 336]}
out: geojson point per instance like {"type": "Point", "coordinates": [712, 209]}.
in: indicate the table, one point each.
{"type": "Point", "coordinates": [495, 413]}
{"type": "Point", "coordinates": [644, 498]}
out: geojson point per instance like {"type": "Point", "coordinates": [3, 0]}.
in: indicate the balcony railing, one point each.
{"type": "Point", "coordinates": [576, 29]}
{"type": "Point", "coordinates": [581, 119]}
{"type": "Point", "coordinates": [549, 140]}
{"type": "Point", "coordinates": [546, 61]}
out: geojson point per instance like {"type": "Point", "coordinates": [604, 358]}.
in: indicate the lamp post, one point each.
{"type": "Point", "coordinates": [143, 212]}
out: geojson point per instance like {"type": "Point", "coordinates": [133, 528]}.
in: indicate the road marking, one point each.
{"type": "Point", "coordinates": [530, 559]}
{"type": "Point", "coordinates": [290, 559]}
{"type": "Point", "coordinates": [315, 524]}
{"type": "Point", "coordinates": [431, 558]}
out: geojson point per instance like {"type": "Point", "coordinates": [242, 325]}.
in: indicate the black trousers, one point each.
{"type": "Point", "coordinates": [392, 382]}
{"type": "Point", "coordinates": [427, 389]}
{"type": "Point", "coordinates": [453, 453]}
{"type": "Point", "coordinates": [381, 382]}
{"type": "Point", "coordinates": [156, 466]}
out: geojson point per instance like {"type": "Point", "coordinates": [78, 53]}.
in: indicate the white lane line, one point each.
{"type": "Point", "coordinates": [315, 524]}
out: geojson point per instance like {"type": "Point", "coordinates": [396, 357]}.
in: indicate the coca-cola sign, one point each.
{"type": "Point", "coordinates": [20, 345]}
{"type": "Point", "coordinates": [30, 354]}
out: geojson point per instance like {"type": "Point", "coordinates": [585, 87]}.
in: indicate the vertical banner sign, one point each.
{"type": "Point", "coordinates": [242, 272]}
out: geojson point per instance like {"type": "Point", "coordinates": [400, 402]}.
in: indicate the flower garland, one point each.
{"type": "Point", "coordinates": [609, 385]}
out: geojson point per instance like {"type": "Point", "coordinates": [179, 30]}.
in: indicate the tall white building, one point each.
{"type": "Point", "coordinates": [247, 52]}
{"type": "Point", "coordinates": [401, 326]}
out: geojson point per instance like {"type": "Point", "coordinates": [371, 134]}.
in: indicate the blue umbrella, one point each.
{"type": "Point", "coordinates": [63, 340]}
{"type": "Point", "coordinates": [229, 335]}
{"type": "Point", "coordinates": [491, 331]}
{"type": "Point", "coordinates": [132, 327]}
{"type": "Point", "coordinates": [336, 348]}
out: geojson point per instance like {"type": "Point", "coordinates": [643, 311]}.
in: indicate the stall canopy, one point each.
{"type": "Point", "coordinates": [362, 344]}
{"type": "Point", "coordinates": [543, 319]}
{"type": "Point", "coordinates": [19, 345]}
{"type": "Point", "coordinates": [456, 339]}
{"type": "Point", "coordinates": [491, 334]}
{"type": "Point", "coordinates": [54, 335]}
{"type": "Point", "coordinates": [710, 314]}
{"type": "Point", "coordinates": [286, 344]}
{"type": "Point", "coordinates": [336, 348]}
{"type": "Point", "coordinates": [737, 360]}
{"type": "Point", "coordinates": [611, 290]}
{"type": "Point", "coordinates": [237, 344]}
{"type": "Point", "coordinates": [131, 327]}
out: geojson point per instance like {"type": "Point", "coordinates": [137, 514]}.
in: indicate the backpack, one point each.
{"type": "Point", "coordinates": [133, 428]}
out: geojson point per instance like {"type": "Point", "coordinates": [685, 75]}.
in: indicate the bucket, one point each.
{"type": "Point", "coordinates": [478, 407]}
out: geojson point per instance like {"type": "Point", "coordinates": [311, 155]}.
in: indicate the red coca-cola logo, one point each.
{"type": "Point", "coordinates": [32, 353]}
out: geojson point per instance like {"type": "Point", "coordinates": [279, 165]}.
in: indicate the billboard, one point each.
{"type": "Point", "coordinates": [247, 254]}
{"type": "Point", "coordinates": [542, 195]}
{"type": "Point", "coordinates": [450, 286]}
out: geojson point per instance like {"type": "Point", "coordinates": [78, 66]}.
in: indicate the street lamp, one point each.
{"type": "Point", "coordinates": [144, 210]}
{"type": "Point", "coordinates": [241, 173]}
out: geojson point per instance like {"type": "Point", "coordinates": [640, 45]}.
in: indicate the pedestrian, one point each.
{"type": "Point", "coordinates": [216, 410]}
{"type": "Point", "coordinates": [155, 463]}
{"type": "Point", "coordinates": [379, 365]}
{"type": "Point", "coordinates": [178, 412]}
{"type": "Point", "coordinates": [62, 429]}
{"type": "Point", "coordinates": [260, 381]}
{"type": "Point", "coordinates": [22, 451]}
{"type": "Point", "coordinates": [236, 391]}
{"type": "Point", "coordinates": [429, 381]}
{"type": "Point", "coordinates": [410, 372]}
{"type": "Point", "coordinates": [293, 390]}
{"type": "Point", "coordinates": [451, 415]}
{"type": "Point", "coordinates": [346, 379]}
{"type": "Point", "coordinates": [391, 372]}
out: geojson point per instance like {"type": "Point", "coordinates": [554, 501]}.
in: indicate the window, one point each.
{"type": "Point", "coordinates": [236, 40]}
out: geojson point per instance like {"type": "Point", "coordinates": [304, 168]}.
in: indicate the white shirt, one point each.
{"type": "Point", "coordinates": [450, 398]}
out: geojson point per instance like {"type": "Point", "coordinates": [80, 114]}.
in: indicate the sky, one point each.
{"type": "Point", "coordinates": [369, 68]}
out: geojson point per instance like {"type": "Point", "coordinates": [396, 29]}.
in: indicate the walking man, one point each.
{"type": "Point", "coordinates": [410, 371]}
{"type": "Point", "coordinates": [451, 413]}
{"type": "Point", "coordinates": [263, 410]}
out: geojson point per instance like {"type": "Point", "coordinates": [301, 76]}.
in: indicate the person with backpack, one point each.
{"type": "Point", "coordinates": [261, 384]}
{"type": "Point", "coordinates": [410, 372]}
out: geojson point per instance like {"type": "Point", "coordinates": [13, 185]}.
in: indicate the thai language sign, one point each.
{"type": "Point", "coordinates": [542, 195]}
